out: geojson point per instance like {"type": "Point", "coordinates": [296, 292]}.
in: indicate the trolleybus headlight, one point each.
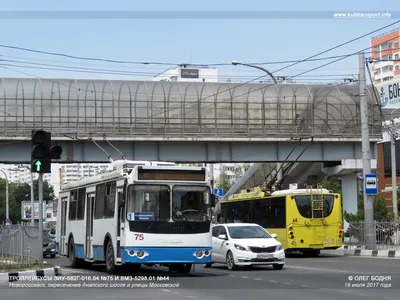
{"type": "Point", "coordinates": [199, 253]}
{"type": "Point", "coordinates": [131, 252]}
{"type": "Point", "coordinates": [206, 253]}
{"type": "Point", "coordinates": [140, 253]}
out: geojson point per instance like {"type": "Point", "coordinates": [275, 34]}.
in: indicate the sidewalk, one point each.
{"type": "Point", "coordinates": [358, 251]}
{"type": "Point", "coordinates": [13, 276]}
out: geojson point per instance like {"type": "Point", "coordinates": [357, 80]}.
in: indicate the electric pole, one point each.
{"type": "Point", "coordinates": [369, 229]}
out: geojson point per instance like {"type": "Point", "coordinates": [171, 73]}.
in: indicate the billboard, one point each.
{"type": "Point", "coordinates": [189, 73]}
{"type": "Point", "coordinates": [26, 210]}
{"type": "Point", "coordinates": [390, 94]}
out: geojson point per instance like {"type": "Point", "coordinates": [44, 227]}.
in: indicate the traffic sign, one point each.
{"type": "Point", "coordinates": [371, 184]}
{"type": "Point", "coordinates": [218, 192]}
{"type": "Point", "coordinates": [8, 221]}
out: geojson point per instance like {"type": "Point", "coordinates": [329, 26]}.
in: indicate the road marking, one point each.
{"type": "Point", "coordinates": [306, 286]}
{"type": "Point", "coordinates": [318, 269]}
{"type": "Point", "coordinates": [287, 283]}
{"type": "Point", "coordinates": [245, 277]}
{"type": "Point", "coordinates": [192, 297]}
{"type": "Point", "coordinates": [165, 290]}
{"type": "Point", "coordinates": [257, 278]}
{"type": "Point", "coordinates": [232, 275]}
{"type": "Point", "coordinates": [273, 281]}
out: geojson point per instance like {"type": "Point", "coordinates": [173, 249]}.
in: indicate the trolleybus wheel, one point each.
{"type": "Point", "coordinates": [71, 254]}
{"type": "Point", "coordinates": [208, 265]}
{"type": "Point", "coordinates": [278, 266]}
{"type": "Point", "coordinates": [230, 261]}
{"type": "Point", "coordinates": [185, 268]}
{"type": "Point", "coordinates": [110, 263]}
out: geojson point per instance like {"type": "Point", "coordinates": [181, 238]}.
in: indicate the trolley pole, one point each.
{"type": "Point", "coordinates": [41, 218]}
{"type": "Point", "coordinates": [370, 237]}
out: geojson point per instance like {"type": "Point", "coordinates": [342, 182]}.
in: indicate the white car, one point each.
{"type": "Point", "coordinates": [243, 244]}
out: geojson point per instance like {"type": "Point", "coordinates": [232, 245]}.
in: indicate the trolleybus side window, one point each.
{"type": "Point", "coordinates": [109, 205]}
{"type": "Point", "coordinates": [80, 211]}
{"type": "Point", "coordinates": [73, 205]}
{"type": "Point", "coordinates": [99, 201]}
{"type": "Point", "coordinates": [271, 213]}
{"type": "Point", "coordinates": [303, 203]}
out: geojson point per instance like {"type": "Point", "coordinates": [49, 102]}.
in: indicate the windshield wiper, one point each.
{"type": "Point", "coordinates": [183, 217]}
{"type": "Point", "coordinates": [154, 222]}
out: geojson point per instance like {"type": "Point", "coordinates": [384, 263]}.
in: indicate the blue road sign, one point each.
{"type": "Point", "coordinates": [371, 184]}
{"type": "Point", "coordinates": [218, 192]}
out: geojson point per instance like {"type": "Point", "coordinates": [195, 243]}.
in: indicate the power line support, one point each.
{"type": "Point", "coordinates": [40, 219]}
{"type": "Point", "coordinates": [369, 229]}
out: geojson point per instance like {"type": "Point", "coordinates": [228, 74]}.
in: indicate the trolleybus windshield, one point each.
{"type": "Point", "coordinates": [191, 203]}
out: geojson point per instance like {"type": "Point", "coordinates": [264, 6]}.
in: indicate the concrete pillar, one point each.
{"type": "Point", "coordinates": [349, 195]}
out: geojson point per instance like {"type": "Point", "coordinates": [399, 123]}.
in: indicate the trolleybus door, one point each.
{"type": "Point", "coordinates": [121, 219]}
{"type": "Point", "coordinates": [63, 229]}
{"type": "Point", "coordinates": [89, 225]}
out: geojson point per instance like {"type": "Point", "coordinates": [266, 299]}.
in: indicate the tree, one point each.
{"type": "Point", "coordinates": [19, 192]}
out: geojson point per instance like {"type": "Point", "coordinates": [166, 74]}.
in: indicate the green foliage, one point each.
{"type": "Point", "coordinates": [333, 184]}
{"type": "Point", "coordinates": [18, 192]}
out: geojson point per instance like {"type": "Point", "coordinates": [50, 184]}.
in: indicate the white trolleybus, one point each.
{"type": "Point", "coordinates": [141, 213]}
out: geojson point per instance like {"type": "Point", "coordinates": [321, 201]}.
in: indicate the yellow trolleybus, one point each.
{"type": "Point", "coordinates": [305, 220]}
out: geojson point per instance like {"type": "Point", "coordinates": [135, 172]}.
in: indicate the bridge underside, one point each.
{"type": "Point", "coordinates": [86, 151]}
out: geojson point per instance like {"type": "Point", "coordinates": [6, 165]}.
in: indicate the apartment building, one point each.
{"type": "Point", "coordinates": [386, 56]}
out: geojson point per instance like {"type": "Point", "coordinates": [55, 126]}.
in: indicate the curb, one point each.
{"type": "Point", "coordinates": [13, 276]}
{"type": "Point", "coordinates": [373, 253]}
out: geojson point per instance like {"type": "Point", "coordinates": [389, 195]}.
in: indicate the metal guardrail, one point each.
{"type": "Point", "coordinates": [19, 245]}
{"type": "Point", "coordinates": [387, 234]}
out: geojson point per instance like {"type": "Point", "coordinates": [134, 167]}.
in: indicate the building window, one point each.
{"type": "Point", "coordinates": [396, 56]}
{"type": "Point", "coordinates": [397, 68]}
{"type": "Point", "coordinates": [48, 215]}
{"type": "Point", "coordinates": [396, 46]}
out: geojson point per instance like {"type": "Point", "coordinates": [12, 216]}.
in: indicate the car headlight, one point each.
{"type": "Point", "coordinates": [279, 247]}
{"type": "Point", "coordinates": [242, 248]}
{"type": "Point", "coordinates": [51, 245]}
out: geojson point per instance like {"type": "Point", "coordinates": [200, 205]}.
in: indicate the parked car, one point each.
{"type": "Point", "coordinates": [244, 244]}
{"type": "Point", "coordinates": [49, 246]}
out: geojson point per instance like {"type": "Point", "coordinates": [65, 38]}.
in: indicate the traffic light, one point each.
{"type": "Point", "coordinates": [43, 152]}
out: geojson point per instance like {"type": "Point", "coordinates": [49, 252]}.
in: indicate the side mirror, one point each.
{"type": "Point", "coordinates": [274, 235]}
{"type": "Point", "coordinates": [222, 237]}
{"type": "Point", "coordinates": [212, 200]}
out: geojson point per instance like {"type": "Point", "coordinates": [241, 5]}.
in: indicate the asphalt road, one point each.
{"type": "Point", "coordinates": [302, 278]}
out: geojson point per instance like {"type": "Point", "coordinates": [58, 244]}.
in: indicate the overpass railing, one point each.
{"type": "Point", "coordinates": [387, 234]}
{"type": "Point", "coordinates": [275, 128]}
{"type": "Point", "coordinates": [19, 245]}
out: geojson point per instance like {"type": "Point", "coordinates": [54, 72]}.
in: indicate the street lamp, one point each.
{"type": "Point", "coordinates": [7, 204]}
{"type": "Point", "coordinates": [235, 63]}
{"type": "Point", "coordinates": [394, 169]}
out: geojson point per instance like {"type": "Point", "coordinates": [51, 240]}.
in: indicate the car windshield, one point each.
{"type": "Point", "coordinates": [191, 203]}
{"type": "Point", "coordinates": [248, 232]}
{"type": "Point", "coordinates": [148, 203]}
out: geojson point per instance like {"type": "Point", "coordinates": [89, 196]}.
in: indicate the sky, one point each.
{"type": "Point", "coordinates": [177, 40]}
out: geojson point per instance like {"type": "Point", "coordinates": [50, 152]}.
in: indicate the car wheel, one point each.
{"type": "Point", "coordinates": [71, 254]}
{"type": "Point", "coordinates": [278, 266]}
{"type": "Point", "coordinates": [230, 261]}
{"type": "Point", "coordinates": [53, 256]}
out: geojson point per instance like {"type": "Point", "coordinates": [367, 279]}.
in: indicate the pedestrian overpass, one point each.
{"type": "Point", "coordinates": [93, 120]}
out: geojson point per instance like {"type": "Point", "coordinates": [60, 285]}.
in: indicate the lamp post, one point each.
{"type": "Point", "coordinates": [236, 63]}
{"type": "Point", "coordinates": [394, 169]}
{"type": "Point", "coordinates": [7, 204]}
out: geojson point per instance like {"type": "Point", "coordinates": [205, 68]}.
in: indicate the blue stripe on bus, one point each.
{"type": "Point", "coordinates": [98, 253]}
{"type": "Point", "coordinates": [79, 251]}
{"type": "Point", "coordinates": [165, 255]}
{"type": "Point", "coordinates": [58, 248]}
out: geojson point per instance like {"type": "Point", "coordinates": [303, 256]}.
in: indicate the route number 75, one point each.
{"type": "Point", "coordinates": [139, 237]}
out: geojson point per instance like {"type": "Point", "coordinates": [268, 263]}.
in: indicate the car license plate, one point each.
{"type": "Point", "coordinates": [265, 256]}
{"type": "Point", "coordinates": [329, 241]}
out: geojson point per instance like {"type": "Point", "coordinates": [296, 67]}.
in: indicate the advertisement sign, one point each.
{"type": "Point", "coordinates": [26, 210]}
{"type": "Point", "coordinates": [55, 206]}
{"type": "Point", "coordinates": [390, 95]}
{"type": "Point", "coordinates": [189, 73]}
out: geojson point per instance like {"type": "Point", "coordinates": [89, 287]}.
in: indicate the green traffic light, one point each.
{"type": "Point", "coordinates": [38, 165]}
